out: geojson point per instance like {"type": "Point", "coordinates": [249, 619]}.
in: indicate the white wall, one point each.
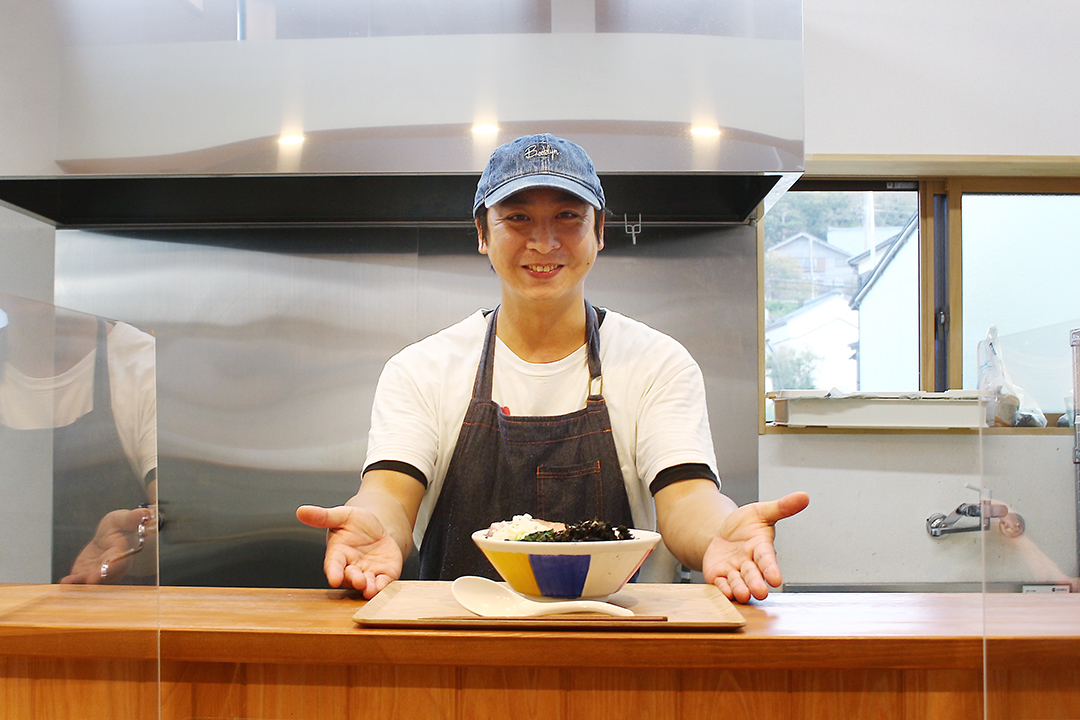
{"type": "Point", "coordinates": [29, 108]}
{"type": "Point", "coordinates": [29, 88]}
{"type": "Point", "coordinates": [26, 506]}
{"type": "Point", "coordinates": [925, 77]}
{"type": "Point", "coordinates": [27, 249]}
{"type": "Point", "coordinates": [28, 116]}
{"type": "Point", "coordinates": [871, 495]}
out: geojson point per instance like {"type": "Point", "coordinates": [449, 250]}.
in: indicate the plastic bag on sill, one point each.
{"type": "Point", "coordinates": [1007, 404]}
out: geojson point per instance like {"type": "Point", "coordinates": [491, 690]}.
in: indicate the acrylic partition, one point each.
{"type": "Point", "coordinates": [983, 519]}
{"type": "Point", "coordinates": [1028, 516]}
{"type": "Point", "coordinates": [78, 536]}
{"type": "Point", "coordinates": [268, 359]}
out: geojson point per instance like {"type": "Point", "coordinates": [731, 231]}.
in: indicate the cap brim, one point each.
{"type": "Point", "coordinates": [541, 180]}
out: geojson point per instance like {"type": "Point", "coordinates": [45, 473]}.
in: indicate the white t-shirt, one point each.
{"type": "Point", "coordinates": [33, 403]}
{"type": "Point", "coordinates": [653, 388]}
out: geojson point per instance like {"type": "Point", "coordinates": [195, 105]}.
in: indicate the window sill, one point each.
{"type": "Point", "coordinates": [771, 429]}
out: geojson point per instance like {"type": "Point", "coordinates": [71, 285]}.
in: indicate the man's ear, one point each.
{"type": "Point", "coordinates": [481, 241]}
{"type": "Point", "coordinates": [600, 231]}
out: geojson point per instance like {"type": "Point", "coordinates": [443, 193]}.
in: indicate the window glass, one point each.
{"type": "Point", "coordinates": [841, 291]}
{"type": "Point", "coordinates": [1020, 260]}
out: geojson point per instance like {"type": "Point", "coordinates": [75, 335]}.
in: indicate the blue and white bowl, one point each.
{"type": "Point", "coordinates": [567, 569]}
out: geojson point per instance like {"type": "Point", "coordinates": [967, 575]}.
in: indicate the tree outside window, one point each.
{"type": "Point", "coordinates": [839, 285]}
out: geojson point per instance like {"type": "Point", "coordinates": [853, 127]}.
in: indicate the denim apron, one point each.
{"type": "Point", "coordinates": [91, 473]}
{"type": "Point", "coordinates": [561, 468]}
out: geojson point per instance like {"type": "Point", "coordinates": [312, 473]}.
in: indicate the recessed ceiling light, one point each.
{"type": "Point", "coordinates": [704, 131]}
{"type": "Point", "coordinates": [485, 129]}
{"type": "Point", "coordinates": [291, 139]}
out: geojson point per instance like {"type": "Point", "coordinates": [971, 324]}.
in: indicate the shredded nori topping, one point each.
{"type": "Point", "coordinates": [587, 531]}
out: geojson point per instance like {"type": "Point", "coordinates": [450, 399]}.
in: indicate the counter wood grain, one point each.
{"type": "Point", "coordinates": [271, 653]}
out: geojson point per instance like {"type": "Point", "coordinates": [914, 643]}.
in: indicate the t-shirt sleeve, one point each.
{"type": "Point", "coordinates": [673, 424]}
{"type": "Point", "coordinates": [399, 467]}
{"type": "Point", "coordinates": [678, 473]}
{"type": "Point", "coordinates": [404, 424]}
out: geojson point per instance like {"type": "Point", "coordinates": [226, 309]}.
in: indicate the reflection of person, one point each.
{"type": "Point", "coordinates": [546, 406]}
{"type": "Point", "coordinates": [110, 556]}
{"type": "Point", "coordinates": [91, 385]}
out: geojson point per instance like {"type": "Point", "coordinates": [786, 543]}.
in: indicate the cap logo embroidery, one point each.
{"type": "Point", "coordinates": [540, 150]}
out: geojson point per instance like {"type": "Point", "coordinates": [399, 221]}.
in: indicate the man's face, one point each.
{"type": "Point", "coordinates": [542, 242]}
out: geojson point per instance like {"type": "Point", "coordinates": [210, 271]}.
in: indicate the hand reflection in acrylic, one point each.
{"type": "Point", "coordinates": [77, 396]}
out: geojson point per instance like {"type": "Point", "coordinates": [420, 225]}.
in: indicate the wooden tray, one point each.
{"type": "Point", "coordinates": [675, 607]}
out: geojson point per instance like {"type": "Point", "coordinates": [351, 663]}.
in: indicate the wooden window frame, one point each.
{"type": "Point", "coordinates": [952, 188]}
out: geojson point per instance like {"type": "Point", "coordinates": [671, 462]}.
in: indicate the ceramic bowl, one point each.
{"type": "Point", "coordinates": [567, 569]}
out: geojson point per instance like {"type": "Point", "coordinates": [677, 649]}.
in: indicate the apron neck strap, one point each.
{"type": "Point", "coordinates": [592, 338]}
{"type": "Point", "coordinates": [485, 371]}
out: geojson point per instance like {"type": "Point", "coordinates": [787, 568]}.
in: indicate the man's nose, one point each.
{"type": "Point", "coordinates": [544, 237]}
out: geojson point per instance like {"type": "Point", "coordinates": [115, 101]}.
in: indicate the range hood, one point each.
{"type": "Point", "coordinates": [312, 200]}
{"type": "Point", "coordinates": [178, 115]}
{"type": "Point", "coordinates": [408, 175]}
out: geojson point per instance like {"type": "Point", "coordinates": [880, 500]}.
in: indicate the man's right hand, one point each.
{"type": "Point", "coordinates": [360, 553]}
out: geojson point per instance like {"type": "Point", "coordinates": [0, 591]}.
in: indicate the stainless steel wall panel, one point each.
{"type": "Point", "coordinates": [267, 361]}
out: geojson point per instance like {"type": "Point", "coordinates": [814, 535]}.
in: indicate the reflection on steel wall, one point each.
{"type": "Point", "coordinates": [267, 361]}
{"type": "Point", "coordinates": [78, 447]}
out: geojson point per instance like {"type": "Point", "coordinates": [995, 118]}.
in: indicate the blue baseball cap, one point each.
{"type": "Point", "coordinates": [538, 161]}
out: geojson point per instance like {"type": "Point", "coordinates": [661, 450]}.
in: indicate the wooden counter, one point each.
{"type": "Point", "coordinates": [90, 652]}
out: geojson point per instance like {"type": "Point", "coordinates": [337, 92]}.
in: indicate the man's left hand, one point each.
{"type": "Point", "coordinates": [741, 559]}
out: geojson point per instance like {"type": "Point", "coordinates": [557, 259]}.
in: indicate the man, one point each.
{"type": "Point", "coordinates": [545, 406]}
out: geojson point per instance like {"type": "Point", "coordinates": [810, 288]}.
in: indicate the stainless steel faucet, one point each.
{"type": "Point", "coordinates": [1010, 523]}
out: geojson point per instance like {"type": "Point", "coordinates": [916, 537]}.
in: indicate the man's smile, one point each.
{"type": "Point", "coordinates": [542, 269]}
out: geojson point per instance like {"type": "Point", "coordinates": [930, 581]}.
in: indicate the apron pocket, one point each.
{"type": "Point", "coordinates": [562, 490]}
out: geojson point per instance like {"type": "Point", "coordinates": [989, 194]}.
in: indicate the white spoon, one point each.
{"type": "Point", "coordinates": [488, 598]}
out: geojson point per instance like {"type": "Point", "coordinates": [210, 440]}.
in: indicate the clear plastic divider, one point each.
{"type": "Point", "coordinates": [79, 610]}
{"type": "Point", "coordinates": [1027, 514]}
